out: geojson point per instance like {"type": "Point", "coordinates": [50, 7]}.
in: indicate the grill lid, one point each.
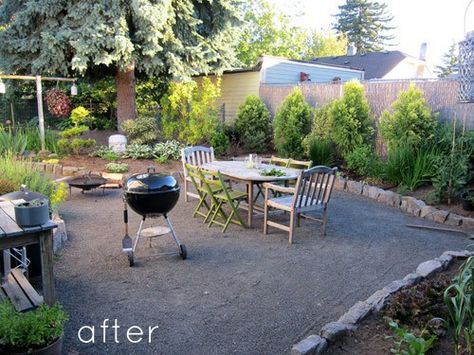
{"type": "Point", "coordinates": [150, 182]}
{"type": "Point", "coordinates": [24, 194]}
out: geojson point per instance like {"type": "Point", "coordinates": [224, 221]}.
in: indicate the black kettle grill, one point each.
{"type": "Point", "coordinates": [150, 194]}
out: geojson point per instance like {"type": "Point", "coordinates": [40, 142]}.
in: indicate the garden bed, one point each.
{"type": "Point", "coordinates": [418, 304]}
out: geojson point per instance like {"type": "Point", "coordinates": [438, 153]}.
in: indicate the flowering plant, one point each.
{"type": "Point", "coordinates": [59, 104]}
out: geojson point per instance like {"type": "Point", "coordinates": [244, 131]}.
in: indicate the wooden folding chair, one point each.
{"type": "Point", "coordinates": [299, 164]}
{"type": "Point", "coordinates": [279, 161]}
{"type": "Point", "coordinates": [195, 156]}
{"type": "Point", "coordinates": [311, 193]}
{"type": "Point", "coordinates": [195, 177]}
{"type": "Point", "coordinates": [211, 181]}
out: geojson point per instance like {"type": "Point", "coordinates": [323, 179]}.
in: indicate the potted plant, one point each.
{"type": "Point", "coordinates": [37, 332]}
{"type": "Point", "coordinates": [467, 198]}
{"type": "Point", "coordinates": [32, 213]}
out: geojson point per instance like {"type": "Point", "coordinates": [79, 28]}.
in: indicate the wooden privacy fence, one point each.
{"type": "Point", "coordinates": [441, 96]}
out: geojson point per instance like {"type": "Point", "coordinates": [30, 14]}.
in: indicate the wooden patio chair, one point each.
{"type": "Point", "coordinates": [213, 180]}
{"type": "Point", "coordinates": [299, 164]}
{"type": "Point", "coordinates": [279, 161]}
{"type": "Point", "coordinates": [195, 156]}
{"type": "Point", "coordinates": [195, 176]}
{"type": "Point", "coordinates": [312, 193]}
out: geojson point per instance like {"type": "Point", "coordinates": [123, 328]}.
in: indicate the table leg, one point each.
{"type": "Point", "coordinates": [6, 262]}
{"type": "Point", "coordinates": [47, 274]}
{"type": "Point", "coordinates": [250, 203]}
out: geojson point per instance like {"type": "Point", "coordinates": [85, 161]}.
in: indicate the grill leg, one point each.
{"type": "Point", "coordinates": [173, 234]}
{"type": "Point", "coordinates": [137, 238]}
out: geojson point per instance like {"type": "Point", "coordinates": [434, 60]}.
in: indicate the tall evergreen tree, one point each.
{"type": "Point", "coordinates": [450, 63]}
{"type": "Point", "coordinates": [365, 24]}
{"type": "Point", "coordinates": [174, 38]}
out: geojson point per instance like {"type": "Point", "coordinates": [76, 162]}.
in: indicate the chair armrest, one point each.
{"type": "Point", "coordinates": [288, 190]}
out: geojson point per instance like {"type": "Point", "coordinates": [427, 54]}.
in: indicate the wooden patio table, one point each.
{"type": "Point", "coordinates": [237, 170]}
{"type": "Point", "coordinates": [13, 236]}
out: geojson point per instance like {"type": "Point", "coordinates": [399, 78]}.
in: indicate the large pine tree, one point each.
{"type": "Point", "coordinates": [174, 38]}
{"type": "Point", "coordinates": [450, 63]}
{"type": "Point", "coordinates": [365, 23]}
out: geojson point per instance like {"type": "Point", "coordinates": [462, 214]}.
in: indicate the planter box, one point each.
{"type": "Point", "coordinates": [30, 216]}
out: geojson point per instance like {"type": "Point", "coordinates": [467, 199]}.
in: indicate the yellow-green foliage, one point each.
{"type": "Point", "coordinates": [189, 111]}
{"type": "Point", "coordinates": [70, 141]}
{"type": "Point", "coordinates": [141, 130]}
{"type": "Point", "coordinates": [351, 121]}
{"type": "Point", "coordinates": [410, 122]}
{"type": "Point", "coordinates": [80, 115]}
{"type": "Point", "coordinates": [58, 195]}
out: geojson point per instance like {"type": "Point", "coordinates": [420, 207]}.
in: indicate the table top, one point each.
{"type": "Point", "coordinates": [8, 226]}
{"type": "Point", "coordinates": [238, 169]}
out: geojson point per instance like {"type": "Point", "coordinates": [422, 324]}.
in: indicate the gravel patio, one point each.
{"type": "Point", "coordinates": [239, 292]}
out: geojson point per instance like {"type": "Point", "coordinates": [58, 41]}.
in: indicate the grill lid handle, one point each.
{"type": "Point", "coordinates": [150, 169]}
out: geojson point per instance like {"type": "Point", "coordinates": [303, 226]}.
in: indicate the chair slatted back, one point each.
{"type": "Point", "coordinates": [193, 173]}
{"type": "Point", "coordinates": [197, 155]}
{"type": "Point", "coordinates": [299, 164]}
{"type": "Point", "coordinates": [314, 187]}
{"type": "Point", "coordinates": [279, 161]}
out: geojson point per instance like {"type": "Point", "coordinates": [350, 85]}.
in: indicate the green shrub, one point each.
{"type": "Point", "coordinates": [12, 143]}
{"type": "Point", "coordinates": [73, 131]}
{"type": "Point", "coordinates": [319, 150]}
{"type": "Point", "coordinates": [409, 167]}
{"type": "Point", "coordinates": [219, 141]}
{"type": "Point", "coordinates": [22, 332]}
{"type": "Point", "coordinates": [7, 186]}
{"type": "Point", "coordinates": [351, 123]}
{"type": "Point", "coordinates": [291, 124]}
{"type": "Point", "coordinates": [81, 116]}
{"type": "Point", "coordinates": [253, 124]}
{"type": "Point", "coordinates": [138, 151]}
{"type": "Point", "coordinates": [116, 167]}
{"type": "Point", "coordinates": [104, 152]}
{"type": "Point", "coordinates": [410, 122]}
{"type": "Point", "coordinates": [141, 130]}
{"type": "Point", "coordinates": [364, 162]}
{"type": "Point", "coordinates": [168, 150]}
{"type": "Point", "coordinates": [70, 141]}
{"type": "Point", "coordinates": [189, 112]}
{"type": "Point", "coordinates": [322, 123]}
{"type": "Point", "coordinates": [75, 145]}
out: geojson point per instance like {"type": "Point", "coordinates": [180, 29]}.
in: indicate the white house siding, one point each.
{"type": "Point", "coordinates": [286, 72]}
{"type": "Point", "coordinates": [409, 69]}
{"type": "Point", "coordinates": [235, 87]}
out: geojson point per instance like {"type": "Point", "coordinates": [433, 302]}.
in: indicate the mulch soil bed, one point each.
{"type": "Point", "coordinates": [414, 307]}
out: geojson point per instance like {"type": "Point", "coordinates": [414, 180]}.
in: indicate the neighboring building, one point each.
{"type": "Point", "coordinates": [237, 84]}
{"type": "Point", "coordinates": [383, 65]}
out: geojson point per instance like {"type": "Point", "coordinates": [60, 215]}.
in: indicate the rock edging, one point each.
{"type": "Point", "coordinates": [349, 321]}
{"type": "Point", "coordinates": [408, 204]}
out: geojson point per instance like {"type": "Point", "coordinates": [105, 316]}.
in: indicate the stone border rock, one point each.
{"type": "Point", "coordinates": [349, 321]}
{"type": "Point", "coordinates": [408, 204]}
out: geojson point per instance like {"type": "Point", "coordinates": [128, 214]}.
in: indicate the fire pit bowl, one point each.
{"type": "Point", "coordinates": [87, 182]}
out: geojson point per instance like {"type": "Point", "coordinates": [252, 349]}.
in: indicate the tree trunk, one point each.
{"type": "Point", "coordinates": [125, 81]}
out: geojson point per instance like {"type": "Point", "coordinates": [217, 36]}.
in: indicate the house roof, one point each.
{"type": "Point", "coordinates": [375, 64]}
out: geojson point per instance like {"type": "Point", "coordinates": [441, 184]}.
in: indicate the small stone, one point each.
{"type": "Point", "coordinates": [412, 279]}
{"type": "Point", "coordinates": [372, 192]}
{"type": "Point", "coordinates": [429, 267]}
{"type": "Point", "coordinates": [59, 234]}
{"type": "Point", "coordinates": [340, 183]}
{"type": "Point", "coordinates": [390, 198]}
{"type": "Point", "coordinates": [468, 222]}
{"type": "Point", "coordinates": [355, 314]}
{"type": "Point", "coordinates": [427, 210]}
{"type": "Point", "coordinates": [378, 299]}
{"type": "Point", "coordinates": [458, 254]}
{"type": "Point", "coordinates": [313, 344]}
{"type": "Point", "coordinates": [69, 170]}
{"type": "Point", "coordinates": [395, 286]}
{"type": "Point", "coordinates": [57, 169]}
{"type": "Point", "coordinates": [454, 220]}
{"type": "Point", "coordinates": [49, 168]}
{"type": "Point", "coordinates": [334, 330]}
{"type": "Point", "coordinates": [354, 187]}
{"type": "Point", "coordinates": [445, 259]}
{"type": "Point", "coordinates": [439, 216]}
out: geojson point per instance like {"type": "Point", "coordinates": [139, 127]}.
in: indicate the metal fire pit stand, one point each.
{"type": "Point", "coordinates": [129, 246]}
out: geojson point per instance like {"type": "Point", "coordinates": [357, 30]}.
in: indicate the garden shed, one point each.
{"type": "Point", "coordinates": [237, 84]}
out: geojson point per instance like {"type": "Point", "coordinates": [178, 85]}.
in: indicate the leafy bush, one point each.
{"type": "Point", "coordinates": [189, 112]}
{"type": "Point", "coordinates": [142, 130]}
{"type": "Point", "coordinates": [452, 167]}
{"type": "Point", "coordinates": [219, 141]}
{"type": "Point", "coordinates": [75, 145]}
{"type": "Point", "coordinates": [411, 121]}
{"type": "Point", "coordinates": [138, 151]}
{"type": "Point", "coordinates": [409, 168]}
{"type": "Point", "coordinates": [291, 124]}
{"type": "Point", "coordinates": [104, 152]}
{"type": "Point", "coordinates": [21, 332]}
{"type": "Point", "coordinates": [116, 167]}
{"type": "Point", "coordinates": [319, 150]}
{"type": "Point", "coordinates": [12, 143]}
{"type": "Point", "coordinates": [406, 343]}
{"type": "Point", "coordinates": [74, 131]}
{"type": "Point", "coordinates": [351, 123]}
{"type": "Point", "coordinates": [7, 186]}
{"type": "Point", "coordinates": [81, 116]}
{"type": "Point", "coordinates": [168, 150]}
{"type": "Point", "coordinates": [364, 162]}
{"type": "Point", "coordinates": [253, 124]}
{"type": "Point", "coordinates": [322, 123]}
{"type": "Point", "coordinates": [57, 196]}
{"type": "Point", "coordinates": [70, 141]}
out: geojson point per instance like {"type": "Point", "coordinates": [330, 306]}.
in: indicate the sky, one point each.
{"type": "Point", "coordinates": [436, 22]}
